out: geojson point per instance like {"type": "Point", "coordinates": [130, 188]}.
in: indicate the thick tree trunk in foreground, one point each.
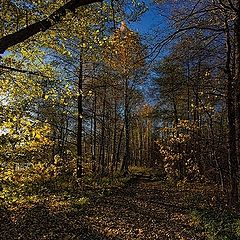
{"type": "Point", "coordinates": [233, 163]}
{"type": "Point", "coordinates": [237, 79]}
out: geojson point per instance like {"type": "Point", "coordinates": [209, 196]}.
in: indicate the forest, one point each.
{"type": "Point", "coordinates": [120, 119]}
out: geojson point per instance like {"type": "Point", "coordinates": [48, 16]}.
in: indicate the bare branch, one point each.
{"type": "Point", "coordinates": [232, 6]}
{"type": "Point", "coordinates": [21, 71]}
{"type": "Point", "coordinates": [229, 7]}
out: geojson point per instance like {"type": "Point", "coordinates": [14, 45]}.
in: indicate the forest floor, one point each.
{"type": "Point", "coordinates": [143, 209]}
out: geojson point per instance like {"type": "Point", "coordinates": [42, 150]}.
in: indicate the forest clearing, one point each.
{"type": "Point", "coordinates": [120, 119]}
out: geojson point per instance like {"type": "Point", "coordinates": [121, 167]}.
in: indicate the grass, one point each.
{"type": "Point", "coordinates": [58, 191]}
{"type": "Point", "coordinates": [218, 225]}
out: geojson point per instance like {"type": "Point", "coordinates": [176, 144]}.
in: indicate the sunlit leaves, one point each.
{"type": "Point", "coordinates": [172, 147]}
{"type": "Point", "coordinates": [123, 51]}
{"type": "Point", "coordinates": [21, 134]}
{"type": "Point", "coordinates": [24, 135]}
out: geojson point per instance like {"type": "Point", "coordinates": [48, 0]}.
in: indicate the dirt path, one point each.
{"type": "Point", "coordinates": [143, 210]}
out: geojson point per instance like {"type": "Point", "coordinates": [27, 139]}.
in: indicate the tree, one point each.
{"type": "Point", "coordinates": [216, 20]}
{"type": "Point", "coordinates": [24, 137]}
{"type": "Point", "coordinates": [125, 54]}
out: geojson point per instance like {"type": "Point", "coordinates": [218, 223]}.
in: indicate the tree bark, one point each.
{"type": "Point", "coordinates": [237, 76]}
{"type": "Point", "coordinates": [102, 154]}
{"type": "Point", "coordinates": [233, 164]}
{"type": "Point", "coordinates": [237, 79]}
{"type": "Point", "coordinates": [79, 120]}
{"type": "Point", "coordinates": [94, 143]}
{"type": "Point", "coordinates": [113, 166]}
{"type": "Point", "coordinates": [126, 157]}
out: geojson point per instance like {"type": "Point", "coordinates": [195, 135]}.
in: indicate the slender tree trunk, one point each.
{"type": "Point", "coordinates": [94, 144]}
{"type": "Point", "coordinates": [141, 143]}
{"type": "Point", "coordinates": [126, 157]}
{"type": "Point", "coordinates": [114, 137]}
{"type": "Point", "coordinates": [150, 146]}
{"type": "Point", "coordinates": [188, 90]}
{"type": "Point", "coordinates": [64, 138]}
{"type": "Point", "coordinates": [79, 120]}
{"type": "Point", "coordinates": [147, 143]}
{"type": "Point", "coordinates": [119, 147]}
{"type": "Point", "coordinates": [103, 137]}
{"type": "Point", "coordinates": [135, 144]}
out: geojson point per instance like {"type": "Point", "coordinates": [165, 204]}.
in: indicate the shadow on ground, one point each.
{"type": "Point", "coordinates": [38, 223]}
{"type": "Point", "coordinates": [146, 210]}
{"type": "Point", "coordinates": [143, 210]}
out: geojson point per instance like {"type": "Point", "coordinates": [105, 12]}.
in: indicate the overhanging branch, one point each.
{"type": "Point", "coordinates": [12, 69]}
{"type": "Point", "coordinates": [41, 26]}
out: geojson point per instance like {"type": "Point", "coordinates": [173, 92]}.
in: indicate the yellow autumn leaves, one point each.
{"type": "Point", "coordinates": [24, 134]}
{"type": "Point", "coordinates": [123, 51]}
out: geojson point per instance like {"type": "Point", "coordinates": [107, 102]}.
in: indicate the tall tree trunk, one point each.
{"type": "Point", "coordinates": [64, 138]}
{"type": "Point", "coordinates": [188, 90]}
{"type": "Point", "coordinates": [233, 164]}
{"type": "Point", "coordinates": [147, 143]}
{"type": "Point", "coordinates": [114, 137]}
{"type": "Point", "coordinates": [140, 139]}
{"type": "Point", "coordinates": [79, 120]}
{"type": "Point", "coordinates": [119, 147]}
{"type": "Point", "coordinates": [103, 135]}
{"type": "Point", "coordinates": [94, 140]}
{"type": "Point", "coordinates": [150, 146]}
{"type": "Point", "coordinates": [126, 157]}
{"type": "Point", "coordinates": [237, 76]}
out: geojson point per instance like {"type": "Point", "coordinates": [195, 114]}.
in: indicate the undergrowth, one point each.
{"type": "Point", "coordinates": [218, 225]}
{"type": "Point", "coordinates": [52, 186]}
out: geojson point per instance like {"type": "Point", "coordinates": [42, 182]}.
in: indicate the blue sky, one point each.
{"type": "Point", "coordinates": [153, 26]}
{"type": "Point", "coordinates": [148, 21]}
{"type": "Point", "coordinates": [152, 19]}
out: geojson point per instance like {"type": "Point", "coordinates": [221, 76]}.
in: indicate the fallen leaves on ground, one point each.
{"type": "Point", "coordinates": [143, 210]}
